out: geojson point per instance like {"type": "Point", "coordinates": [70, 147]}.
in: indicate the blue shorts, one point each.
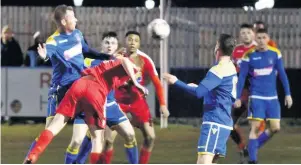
{"type": "Point", "coordinates": [114, 115]}
{"type": "Point", "coordinates": [213, 139]}
{"type": "Point", "coordinates": [264, 109]}
{"type": "Point", "coordinates": [55, 95]}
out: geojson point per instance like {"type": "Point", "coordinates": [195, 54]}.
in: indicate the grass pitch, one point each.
{"type": "Point", "coordinates": [174, 145]}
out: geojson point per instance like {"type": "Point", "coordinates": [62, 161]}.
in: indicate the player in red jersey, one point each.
{"type": "Point", "coordinates": [88, 95]}
{"type": "Point", "coordinates": [131, 101]}
{"type": "Point", "coordinates": [247, 38]}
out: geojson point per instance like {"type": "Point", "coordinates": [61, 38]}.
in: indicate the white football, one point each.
{"type": "Point", "coordinates": [158, 29]}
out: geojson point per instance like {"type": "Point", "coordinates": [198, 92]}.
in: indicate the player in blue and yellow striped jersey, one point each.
{"type": "Point", "coordinates": [263, 63]}
{"type": "Point", "coordinates": [65, 50]}
{"type": "Point", "coordinates": [116, 119]}
{"type": "Point", "coordinates": [219, 91]}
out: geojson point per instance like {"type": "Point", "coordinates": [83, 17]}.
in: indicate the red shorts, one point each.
{"type": "Point", "coordinates": [139, 110]}
{"type": "Point", "coordinates": [85, 95]}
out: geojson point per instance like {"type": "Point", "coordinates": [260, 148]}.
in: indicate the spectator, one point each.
{"type": "Point", "coordinates": [11, 53]}
{"type": "Point", "coordinates": [32, 58]}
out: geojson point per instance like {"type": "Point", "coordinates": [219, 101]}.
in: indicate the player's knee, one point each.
{"type": "Point", "coordinates": [275, 130]}
{"type": "Point", "coordinates": [130, 137]}
{"type": "Point", "coordinates": [76, 142]}
{"type": "Point", "coordinates": [151, 139]}
{"type": "Point", "coordinates": [109, 143]}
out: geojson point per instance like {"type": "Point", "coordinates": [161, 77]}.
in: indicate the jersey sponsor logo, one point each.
{"type": "Point", "coordinates": [263, 71]}
{"type": "Point", "coordinates": [240, 51]}
{"type": "Point", "coordinates": [256, 58]}
{"type": "Point", "coordinates": [74, 51]}
{"type": "Point", "coordinates": [63, 41]}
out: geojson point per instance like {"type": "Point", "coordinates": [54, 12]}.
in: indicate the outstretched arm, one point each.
{"type": "Point", "coordinates": [207, 84]}
{"type": "Point", "coordinates": [129, 68]}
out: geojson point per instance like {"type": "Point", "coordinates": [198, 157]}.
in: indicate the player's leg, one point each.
{"type": "Point", "coordinates": [273, 117]}
{"type": "Point", "coordinates": [79, 132]}
{"type": "Point", "coordinates": [126, 130]}
{"type": "Point", "coordinates": [148, 132]}
{"type": "Point", "coordinates": [237, 133]}
{"type": "Point", "coordinates": [51, 108]}
{"type": "Point", "coordinates": [97, 140]}
{"type": "Point", "coordinates": [57, 124]}
{"type": "Point", "coordinates": [84, 149]}
{"type": "Point", "coordinates": [141, 118]}
{"type": "Point", "coordinates": [256, 114]}
{"type": "Point", "coordinates": [110, 136]}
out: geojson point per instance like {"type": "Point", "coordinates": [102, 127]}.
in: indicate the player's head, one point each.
{"type": "Point", "coordinates": [132, 41]}
{"type": "Point", "coordinates": [225, 45]}
{"type": "Point", "coordinates": [109, 43]}
{"type": "Point", "coordinates": [259, 25]}
{"type": "Point", "coordinates": [246, 33]}
{"type": "Point", "coordinates": [7, 33]}
{"type": "Point", "coordinates": [64, 17]}
{"type": "Point", "coordinates": [262, 38]}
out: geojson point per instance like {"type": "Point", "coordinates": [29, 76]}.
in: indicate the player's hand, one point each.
{"type": "Point", "coordinates": [119, 52]}
{"type": "Point", "coordinates": [192, 85]}
{"type": "Point", "coordinates": [237, 103]}
{"type": "Point", "coordinates": [164, 111]}
{"type": "Point", "coordinates": [42, 50]}
{"type": "Point", "coordinates": [171, 79]}
{"type": "Point", "coordinates": [288, 101]}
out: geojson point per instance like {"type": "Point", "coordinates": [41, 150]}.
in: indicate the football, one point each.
{"type": "Point", "coordinates": [158, 29]}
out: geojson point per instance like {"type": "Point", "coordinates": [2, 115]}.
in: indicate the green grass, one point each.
{"type": "Point", "coordinates": [174, 145]}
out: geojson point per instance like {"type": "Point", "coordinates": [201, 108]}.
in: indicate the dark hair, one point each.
{"type": "Point", "coordinates": [246, 25]}
{"type": "Point", "coordinates": [132, 32]}
{"type": "Point", "coordinates": [259, 22]}
{"type": "Point", "coordinates": [227, 44]}
{"type": "Point", "coordinates": [262, 31]}
{"type": "Point", "coordinates": [60, 12]}
{"type": "Point", "coordinates": [109, 34]}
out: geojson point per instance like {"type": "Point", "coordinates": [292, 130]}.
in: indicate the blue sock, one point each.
{"type": "Point", "coordinates": [31, 147]}
{"type": "Point", "coordinates": [132, 153]}
{"type": "Point", "coordinates": [252, 148]}
{"type": "Point", "coordinates": [71, 155]}
{"type": "Point", "coordinates": [264, 137]}
{"type": "Point", "coordinates": [84, 151]}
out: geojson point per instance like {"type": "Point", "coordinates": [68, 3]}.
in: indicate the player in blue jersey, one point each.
{"type": "Point", "coordinates": [65, 50]}
{"type": "Point", "coordinates": [263, 63]}
{"type": "Point", "coordinates": [219, 91]}
{"type": "Point", "coordinates": [116, 119]}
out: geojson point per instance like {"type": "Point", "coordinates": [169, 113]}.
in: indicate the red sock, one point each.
{"type": "Point", "coordinates": [144, 156]}
{"type": "Point", "coordinates": [107, 157]}
{"type": "Point", "coordinates": [41, 144]}
{"type": "Point", "coordinates": [95, 158]}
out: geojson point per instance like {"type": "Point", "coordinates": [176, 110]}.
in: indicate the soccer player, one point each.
{"type": "Point", "coordinates": [262, 63]}
{"type": "Point", "coordinates": [116, 119]}
{"type": "Point", "coordinates": [261, 25]}
{"type": "Point", "coordinates": [131, 101]}
{"type": "Point", "coordinates": [88, 95]}
{"type": "Point", "coordinates": [219, 91]}
{"type": "Point", "coordinates": [65, 50]}
{"type": "Point", "coordinates": [246, 36]}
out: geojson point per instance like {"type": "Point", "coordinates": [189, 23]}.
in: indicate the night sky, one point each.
{"type": "Point", "coordinates": [135, 3]}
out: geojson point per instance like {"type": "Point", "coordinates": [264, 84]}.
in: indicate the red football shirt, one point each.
{"type": "Point", "coordinates": [238, 53]}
